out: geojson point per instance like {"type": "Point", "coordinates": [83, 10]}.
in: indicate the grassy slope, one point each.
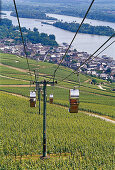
{"type": "Point", "coordinates": [91, 97]}
{"type": "Point", "coordinates": [84, 144]}
{"type": "Point", "coordinates": [90, 146]}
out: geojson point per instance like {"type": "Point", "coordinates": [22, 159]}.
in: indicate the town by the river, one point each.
{"type": "Point", "coordinates": [83, 42]}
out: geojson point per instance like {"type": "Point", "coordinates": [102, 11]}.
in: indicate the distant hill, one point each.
{"type": "Point", "coordinates": [71, 1]}
{"type": "Point", "coordinates": [65, 1]}
{"type": "Point", "coordinates": [101, 9]}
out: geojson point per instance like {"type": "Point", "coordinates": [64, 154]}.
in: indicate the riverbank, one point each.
{"type": "Point", "coordinates": [33, 15]}
{"type": "Point", "coordinates": [83, 42]}
{"type": "Point", "coordinates": [86, 28]}
{"type": "Point", "coordinates": [93, 22]}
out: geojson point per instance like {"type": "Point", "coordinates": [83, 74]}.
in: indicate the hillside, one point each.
{"type": "Point", "coordinates": [16, 67]}
{"type": "Point", "coordinates": [74, 140]}
{"type": "Point", "coordinates": [69, 1]}
{"type": "Point", "coordinates": [101, 10]}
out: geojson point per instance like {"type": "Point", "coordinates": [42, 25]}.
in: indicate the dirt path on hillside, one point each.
{"type": "Point", "coordinates": [87, 113]}
{"type": "Point", "coordinates": [12, 78]}
{"type": "Point", "coordinates": [26, 71]}
{"type": "Point", "coordinates": [101, 117]}
{"type": "Point", "coordinates": [26, 85]}
{"type": "Point", "coordinates": [23, 70]}
{"type": "Point", "coordinates": [47, 85]}
{"type": "Point", "coordinates": [36, 157]}
{"type": "Point", "coordinates": [87, 81]}
{"type": "Point", "coordinates": [18, 95]}
{"type": "Point", "coordinates": [19, 85]}
{"type": "Point", "coordinates": [15, 68]}
{"type": "Point", "coordinates": [62, 87]}
{"type": "Point", "coordinates": [101, 87]}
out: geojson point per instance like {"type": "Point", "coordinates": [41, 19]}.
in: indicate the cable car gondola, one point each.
{"type": "Point", "coordinates": [74, 100]}
{"type": "Point", "coordinates": [32, 99]}
{"type": "Point", "coordinates": [51, 98]}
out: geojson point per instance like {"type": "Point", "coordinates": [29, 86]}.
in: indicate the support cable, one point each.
{"type": "Point", "coordinates": [22, 39]}
{"type": "Point", "coordinates": [73, 39]}
{"type": "Point", "coordinates": [103, 50]}
{"type": "Point", "coordinates": [92, 56]}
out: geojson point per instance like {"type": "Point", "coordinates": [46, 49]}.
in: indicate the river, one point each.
{"type": "Point", "coordinates": [66, 18]}
{"type": "Point", "coordinates": [83, 42]}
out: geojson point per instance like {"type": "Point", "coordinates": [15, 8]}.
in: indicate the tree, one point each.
{"type": "Point", "coordinates": [94, 81]}
{"type": "Point", "coordinates": [6, 22]}
{"type": "Point", "coordinates": [43, 35]}
{"type": "Point", "coordinates": [67, 58]}
{"type": "Point", "coordinates": [75, 50]}
{"type": "Point", "coordinates": [52, 37]}
{"type": "Point", "coordinates": [35, 30]}
{"type": "Point", "coordinates": [24, 29]}
{"type": "Point", "coordinates": [108, 71]}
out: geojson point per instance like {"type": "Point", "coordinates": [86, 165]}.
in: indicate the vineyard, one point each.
{"type": "Point", "coordinates": [100, 104]}
{"type": "Point", "coordinates": [83, 144]}
{"type": "Point", "coordinates": [74, 141]}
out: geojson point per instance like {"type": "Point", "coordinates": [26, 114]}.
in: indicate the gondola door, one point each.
{"type": "Point", "coordinates": [74, 100]}
{"type": "Point", "coordinates": [32, 99]}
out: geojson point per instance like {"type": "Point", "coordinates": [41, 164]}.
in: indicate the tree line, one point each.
{"type": "Point", "coordinates": [35, 14]}
{"type": "Point", "coordinates": [7, 30]}
{"type": "Point", "coordinates": [85, 28]}
{"type": "Point", "coordinates": [103, 10]}
{"type": "Point", "coordinates": [102, 15]}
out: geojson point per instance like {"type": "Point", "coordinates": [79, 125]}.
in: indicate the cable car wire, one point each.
{"type": "Point", "coordinates": [92, 56]}
{"type": "Point", "coordinates": [103, 50]}
{"type": "Point", "coordinates": [22, 38]}
{"type": "Point", "coordinates": [72, 39]}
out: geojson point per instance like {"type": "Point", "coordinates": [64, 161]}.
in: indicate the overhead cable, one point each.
{"type": "Point", "coordinates": [103, 50]}
{"type": "Point", "coordinates": [91, 56]}
{"type": "Point", "coordinates": [73, 37]}
{"type": "Point", "coordinates": [22, 38]}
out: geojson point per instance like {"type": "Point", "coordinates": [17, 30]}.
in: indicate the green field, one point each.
{"type": "Point", "coordinates": [84, 145]}
{"type": "Point", "coordinates": [92, 99]}
{"type": "Point", "coordinates": [43, 67]}
{"type": "Point", "coordinates": [74, 141]}
{"type": "Point", "coordinates": [99, 104]}
{"type": "Point", "coordinates": [7, 81]}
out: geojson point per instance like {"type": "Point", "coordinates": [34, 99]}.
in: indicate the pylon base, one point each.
{"type": "Point", "coordinates": [44, 157]}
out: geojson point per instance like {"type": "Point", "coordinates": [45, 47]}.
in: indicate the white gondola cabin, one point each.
{"type": "Point", "coordinates": [51, 98]}
{"type": "Point", "coordinates": [32, 99]}
{"type": "Point", "coordinates": [74, 100]}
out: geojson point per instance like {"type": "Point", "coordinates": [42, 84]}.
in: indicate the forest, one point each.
{"type": "Point", "coordinates": [85, 28]}
{"type": "Point", "coordinates": [7, 30]}
{"type": "Point", "coordinates": [96, 15]}
{"type": "Point", "coordinates": [35, 14]}
{"type": "Point", "coordinates": [101, 10]}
